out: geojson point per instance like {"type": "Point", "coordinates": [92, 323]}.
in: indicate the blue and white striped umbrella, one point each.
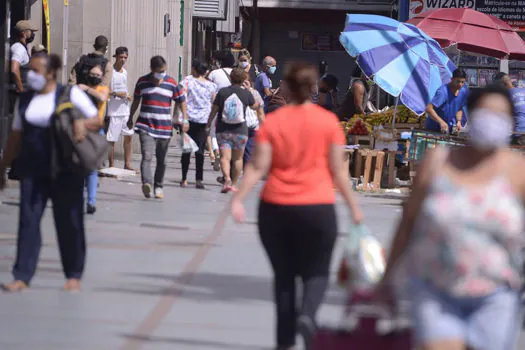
{"type": "Point", "coordinates": [403, 60]}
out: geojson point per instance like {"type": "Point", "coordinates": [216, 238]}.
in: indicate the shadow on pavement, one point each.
{"type": "Point", "coordinates": [192, 342]}
{"type": "Point", "coordinates": [212, 287]}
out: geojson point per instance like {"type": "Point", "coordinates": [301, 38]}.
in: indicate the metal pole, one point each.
{"type": "Point", "coordinates": [5, 14]}
{"type": "Point", "coordinates": [65, 40]}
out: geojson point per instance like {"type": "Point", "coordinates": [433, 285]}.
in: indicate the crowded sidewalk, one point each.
{"type": "Point", "coordinates": [171, 274]}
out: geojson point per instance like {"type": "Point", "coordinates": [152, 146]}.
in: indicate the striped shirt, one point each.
{"type": "Point", "coordinates": [155, 110]}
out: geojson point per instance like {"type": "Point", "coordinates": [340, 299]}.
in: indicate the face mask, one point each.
{"type": "Point", "coordinates": [31, 38]}
{"type": "Point", "coordinates": [244, 64]}
{"type": "Point", "coordinates": [94, 81]}
{"type": "Point", "coordinates": [323, 90]}
{"type": "Point", "coordinates": [272, 70]}
{"type": "Point", "coordinates": [36, 81]}
{"type": "Point", "coordinates": [159, 76]}
{"type": "Point", "coordinates": [489, 130]}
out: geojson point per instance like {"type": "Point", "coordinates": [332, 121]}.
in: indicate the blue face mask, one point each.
{"type": "Point", "coordinates": [271, 70]}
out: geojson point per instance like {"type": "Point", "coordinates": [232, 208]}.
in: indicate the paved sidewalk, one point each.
{"type": "Point", "coordinates": [171, 274]}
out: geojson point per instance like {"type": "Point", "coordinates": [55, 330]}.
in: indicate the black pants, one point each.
{"type": "Point", "coordinates": [198, 133]}
{"type": "Point", "coordinates": [299, 241]}
{"type": "Point", "coordinates": [66, 194]}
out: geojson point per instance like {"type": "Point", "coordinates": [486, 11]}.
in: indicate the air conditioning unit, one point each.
{"type": "Point", "coordinates": [210, 9]}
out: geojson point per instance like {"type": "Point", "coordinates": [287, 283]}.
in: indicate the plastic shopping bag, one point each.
{"type": "Point", "coordinates": [363, 263]}
{"type": "Point", "coordinates": [187, 144]}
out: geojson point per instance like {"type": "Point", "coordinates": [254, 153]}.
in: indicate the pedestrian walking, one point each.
{"type": "Point", "coordinates": [154, 93]}
{"type": "Point", "coordinates": [232, 131]}
{"type": "Point", "coordinates": [99, 95]}
{"type": "Point", "coordinates": [220, 76]}
{"type": "Point", "coordinates": [119, 109]}
{"type": "Point", "coordinates": [30, 142]}
{"type": "Point", "coordinates": [297, 221]}
{"type": "Point", "coordinates": [82, 66]}
{"type": "Point", "coordinates": [200, 94]}
{"type": "Point", "coordinates": [462, 235]}
{"type": "Point", "coordinates": [245, 63]}
{"type": "Point", "coordinates": [254, 120]}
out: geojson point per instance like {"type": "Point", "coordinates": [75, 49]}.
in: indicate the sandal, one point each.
{"type": "Point", "coordinates": [183, 183]}
{"type": "Point", "coordinates": [14, 287]}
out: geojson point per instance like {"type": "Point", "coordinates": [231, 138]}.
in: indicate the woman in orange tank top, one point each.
{"type": "Point", "coordinates": [300, 147]}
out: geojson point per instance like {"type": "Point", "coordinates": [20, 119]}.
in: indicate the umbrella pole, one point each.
{"type": "Point", "coordinates": [458, 59]}
{"type": "Point", "coordinates": [395, 113]}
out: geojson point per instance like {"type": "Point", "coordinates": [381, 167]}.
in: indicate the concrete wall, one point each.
{"type": "Point", "coordinates": [136, 24]}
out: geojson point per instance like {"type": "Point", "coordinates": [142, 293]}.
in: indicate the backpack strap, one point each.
{"type": "Point", "coordinates": [227, 75]}
{"type": "Point", "coordinates": [63, 98]}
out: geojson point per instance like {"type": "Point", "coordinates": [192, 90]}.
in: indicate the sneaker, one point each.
{"type": "Point", "coordinates": [306, 328]}
{"type": "Point", "coordinates": [91, 209]}
{"type": "Point", "coordinates": [146, 189]}
{"type": "Point", "coordinates": [199, 185]}
{"type": "Point", "coordinates": [220, 180]}
{"type": "Point", "coordinates": [159, 193]}
{"type": "Point", "coordinates": [217, 165]}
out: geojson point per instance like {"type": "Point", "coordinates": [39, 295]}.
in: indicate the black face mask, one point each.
{"type": "Point", "coordinates": [31, 38]}
{"type": "Point", "coordinates": [94, 81]}
{"type": "Point", "coordinates": [323, 90]}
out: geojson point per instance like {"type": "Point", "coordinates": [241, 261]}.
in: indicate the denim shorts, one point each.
{"type": "Point", "coordinates": [490, 322]}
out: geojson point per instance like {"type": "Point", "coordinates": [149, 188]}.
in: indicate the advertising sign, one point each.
{"type": "Point", "coordinates": [510, 11]}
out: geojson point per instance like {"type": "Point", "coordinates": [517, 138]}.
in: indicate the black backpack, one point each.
{"type": "Point", "coordinates": [78, 157]}
{"type": "Point", "coordinates": [85, 63]}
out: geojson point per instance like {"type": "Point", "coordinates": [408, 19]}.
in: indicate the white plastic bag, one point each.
{"type": "Point", "coordinates": [363, 263]}
{"type": "Point", "coordinates": [187, 144]}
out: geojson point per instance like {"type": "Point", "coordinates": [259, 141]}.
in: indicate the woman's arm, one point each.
{"type": "Point", "coordinates": [358, 90]}
{"type": "Point", "coordinates": [214, 111]}
{"type": "Point", "coordinates": [340, 178]}
{"type": "Point", "coordinates": [101, 95]}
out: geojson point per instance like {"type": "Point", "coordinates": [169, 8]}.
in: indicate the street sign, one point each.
{"type": "Point", "coordinates": [510, 11]}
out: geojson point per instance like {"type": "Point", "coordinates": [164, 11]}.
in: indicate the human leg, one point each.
{"type": "Point", "coordinates": [274, 236]}
{"type": "Point", "coordinates": [198, 134]}
{"type": "Point", "coordinates": [496, 321]}
{"type": "Point", "coordinates": [69, 223]}
{"type": "Point", "coordinates": [111, 154]}
{"type": "Point", "coordinates": [127, 133]}
{"type": "Point", "coordinates": [438, 322]}
{"type": "Point", "coordinates": [92, 185]}
{"type": "Point", "coordinates": [147, 146]}
{"type": "Point", "coordinates": [33, 198]}
{"type": "Point", "coordinates": [250, 147]}
{"type": "Point", "coordinates": [161, 151]}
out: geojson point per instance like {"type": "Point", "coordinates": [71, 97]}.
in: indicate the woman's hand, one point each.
{"type": "Point", "coordinates": [238, 211]}
{"type": "Point", "coordinates": [357, 216]}
{"type": "Point", "coordinates": [83, 87]}
{"type": "Point", "coordinates": [185, 126]}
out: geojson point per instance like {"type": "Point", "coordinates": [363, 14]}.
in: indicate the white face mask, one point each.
{"type": "Point", "coordinates": [244, 64]}
{"type": "Point", "coordinates": [36, 81]}
{"type": "Point", "coordinates": [489, 130]}
{"type": "Point", "coordinates": [159, 76]}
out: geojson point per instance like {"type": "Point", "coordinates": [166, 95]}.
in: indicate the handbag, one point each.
{"type": "Point", "coordinates": [69, 155]}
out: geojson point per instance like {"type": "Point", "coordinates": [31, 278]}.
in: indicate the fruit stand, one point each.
{"type": "Point", "coordinates": [369, 134]}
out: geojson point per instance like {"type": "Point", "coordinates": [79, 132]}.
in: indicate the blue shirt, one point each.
{"type": "Point", "coordinates": [447, 105]}
{"type": "Point", "coordinates": [263, 82]}
{"type": "Point", "coordinates": [518, 98]}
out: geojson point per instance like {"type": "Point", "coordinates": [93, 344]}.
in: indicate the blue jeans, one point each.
{"type": "Point", "coordinates": [92, 184]}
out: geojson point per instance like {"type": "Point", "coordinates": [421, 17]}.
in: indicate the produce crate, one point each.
{"type": "Point", "coordinates": [373, 162]}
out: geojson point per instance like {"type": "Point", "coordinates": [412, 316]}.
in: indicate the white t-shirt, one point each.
{"type": "Point", "coordinates": [19, 53]}
{"type": "Point", "coordinates": [119, 107]}
{"type": "Point", "coordinates": [42, 107]}
{"type": "Point", "coordinates": [220, 78]}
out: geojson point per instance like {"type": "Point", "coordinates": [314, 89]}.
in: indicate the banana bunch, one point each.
{"type": "Point", "coordinates": [403, 116]}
